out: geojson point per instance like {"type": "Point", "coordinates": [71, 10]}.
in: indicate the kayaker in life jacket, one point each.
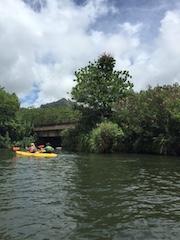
{"type": "Point", "coordinates": [32, 148]}
{"type": "Point", "coordinates": [48, 148]}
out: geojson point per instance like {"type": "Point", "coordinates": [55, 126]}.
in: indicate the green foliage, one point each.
{"type": "Point", "coordinates": [99, 87]}
{"type": "Point", "coordinates": [17, 128]}
{"type": "Point", "coordinates": [106, 137]}
{"type": "Point", "coordinates": [151, 120]}
{"type": "Point", "coordinates": [144, 122]}
{"type": "Point", "coordinates": [83, 142]}
{"type": "Point", "coordinates": [13, 128]}
{"type": "Point", "coordinates": [9, 104]}
{"type": "Point", "coordinates": [5, 140]}
{"type": "Point", "coordinates": [45, 116]}
{"type": "Point", "coordinates": [25, 141]}
{"type": "Point", "coordinates": [69, 137]}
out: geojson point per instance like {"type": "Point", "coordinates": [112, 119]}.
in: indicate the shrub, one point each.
{"type": "Point", "coordinates": [69, 139]}
{"type": "Point", "coordinates": [107, 137]}
{"type": "Point", "coordinates": [83, 142]}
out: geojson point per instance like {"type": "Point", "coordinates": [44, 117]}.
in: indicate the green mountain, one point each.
{"type": "Point", "coordinates": [60, 103]}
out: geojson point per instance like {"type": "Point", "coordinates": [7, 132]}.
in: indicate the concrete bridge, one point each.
{"type": "Point", "coordinates": [46, 131]}
{"type": "Point", "coordinates": [52, 133]}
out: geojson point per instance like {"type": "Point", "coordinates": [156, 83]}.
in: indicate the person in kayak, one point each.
{"type": "Point", "coordinates": [32, 148]}
{"type": "Point", "coordinates": [48, 148]}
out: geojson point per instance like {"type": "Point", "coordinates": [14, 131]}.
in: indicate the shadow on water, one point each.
{"type": "Point", "coordinates": [128, 196]}
{"type": "Point", "coordinates": [90, 196]}
{"type": "Point", "coordinates": [6, 154]}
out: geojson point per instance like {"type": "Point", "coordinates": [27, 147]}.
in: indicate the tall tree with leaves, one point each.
{"type": "Point", "coordinates": [9, 104]}
{"type": "Point", "coordinates": [151, 120]}
{"type": "Point", "coordinates": [99, 87]}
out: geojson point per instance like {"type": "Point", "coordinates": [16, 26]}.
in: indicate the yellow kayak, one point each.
{"type": "Point", "coordinates": [36, 154]}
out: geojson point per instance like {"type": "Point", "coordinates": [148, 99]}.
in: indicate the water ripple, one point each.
{"type": "Point", "coordinates": [90, 197]}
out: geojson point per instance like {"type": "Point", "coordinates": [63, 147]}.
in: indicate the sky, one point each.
{"type": "Point", "coordinates": [43, 42]}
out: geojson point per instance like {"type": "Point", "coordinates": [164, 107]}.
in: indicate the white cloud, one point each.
{"type": "Point", "coordinates": [41, 50]}
{"type": "Point", "coordinates": [161, 64]}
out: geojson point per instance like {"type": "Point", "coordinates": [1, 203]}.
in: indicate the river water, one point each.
{"type": "Point", "coordinates": [88, 196]}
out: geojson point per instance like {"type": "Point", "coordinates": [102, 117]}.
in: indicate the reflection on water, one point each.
{"type": "Point", "coordinates": [88, 196]}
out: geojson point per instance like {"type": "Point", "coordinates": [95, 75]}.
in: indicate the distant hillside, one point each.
{"type": "Point", "coordinates": [60, 103]}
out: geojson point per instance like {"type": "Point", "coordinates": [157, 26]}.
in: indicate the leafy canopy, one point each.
{"type": "Point", "coordinates": [151, 120]}
{"type": "Point", "coordinates": [99, 86]}
{"type": "Point", "coordinates": [9, 104]}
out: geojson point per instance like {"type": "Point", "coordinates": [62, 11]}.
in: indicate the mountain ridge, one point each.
{"type": "Point", "coordinates": [63, 102]}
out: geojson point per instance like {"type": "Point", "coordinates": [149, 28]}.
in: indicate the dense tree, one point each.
{"type": "Point", "coordinates": [151, 120]}
{"type": "Point", "coordinates": [99, 87]}
{"type": "Point", "coordinates": [9, 104]}
{"type": "Point", "coordinates": [45, 116]}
